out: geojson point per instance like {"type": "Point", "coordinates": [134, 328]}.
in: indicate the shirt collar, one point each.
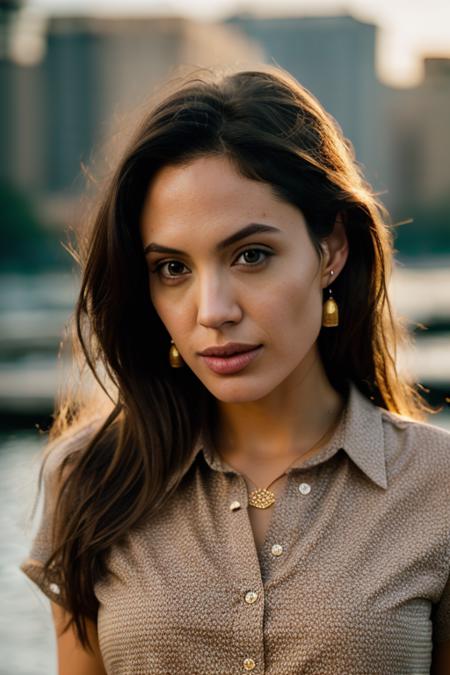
{"type": "Point", "coordinates": [359, 433]}
{"type": "Point", "coordinates": [363, 436]}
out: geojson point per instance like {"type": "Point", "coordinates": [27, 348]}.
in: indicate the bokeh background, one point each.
{"type": "Point", "coordinates": [74, 76]}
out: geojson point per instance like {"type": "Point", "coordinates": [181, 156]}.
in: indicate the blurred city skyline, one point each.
{"type": "Point", "coordinates": [408, 30]}
{"type": "Point", "coordinates": [95, 69]}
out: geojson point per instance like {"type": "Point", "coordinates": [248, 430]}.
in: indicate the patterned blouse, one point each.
{"type": "Point", "coordinates": [353, 575]}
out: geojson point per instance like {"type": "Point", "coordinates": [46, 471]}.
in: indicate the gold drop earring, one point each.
{"type": "Point", "coordinates": [330, 312]}
{"type": "Point", "coordinates": [175, 358]}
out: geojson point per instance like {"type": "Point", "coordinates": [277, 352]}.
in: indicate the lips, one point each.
{"type": "Point", "coordinates": [228, 365]}
{"type": "Point", "coordinates": [229, 349]}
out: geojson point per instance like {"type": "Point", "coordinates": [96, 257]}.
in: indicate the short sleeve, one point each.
{"type": "Point", "coordinates": [41, 545]}
{"type": "Point", "coordinates": [441, 616]}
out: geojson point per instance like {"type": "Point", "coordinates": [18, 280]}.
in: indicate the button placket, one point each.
{"type": "Point", "coordinates": [279, 529]}
{"type": "Point", "coordinates": [300, 489]}
{"type": "Point", "coordinates": [247, 634]}
{"type": "Point", "coordinates": [278, 520]}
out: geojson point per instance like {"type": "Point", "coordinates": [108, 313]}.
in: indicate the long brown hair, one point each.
{"type": "Point", "coordinates": [275, 131]}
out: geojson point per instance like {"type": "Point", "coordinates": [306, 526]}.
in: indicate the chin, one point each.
{"type": "Point", "coordinates": [238, 391]}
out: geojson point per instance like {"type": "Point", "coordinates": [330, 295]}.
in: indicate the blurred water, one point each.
{"type": "Point", "coordinates": [27, 641]}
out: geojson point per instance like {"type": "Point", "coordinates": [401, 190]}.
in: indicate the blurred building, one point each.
{"type": "Point", "coordinates": [94, 78]}
{"type": "Point", "coordinates": [80, 99]}
{"type": "Point", "coordinates": [22, 125]}
{"type": "Point", "coordinates": [418, 143]}
{"type": "Point", "coordinates": [21, 99]}
{"type": "Point", "coordinates": [100, 71]}
{"type": "Point", "coordinates": [333, 57]}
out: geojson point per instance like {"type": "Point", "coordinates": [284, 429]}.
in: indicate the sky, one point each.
{"type": "Point", "coordinates": [409, 29]}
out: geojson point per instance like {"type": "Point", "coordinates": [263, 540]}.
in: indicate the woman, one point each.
{"type": "Point", "coordinates": [263, 495]}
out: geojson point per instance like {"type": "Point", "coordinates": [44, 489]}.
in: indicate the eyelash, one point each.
{"type": "Point", "coordinates": [159, 266]}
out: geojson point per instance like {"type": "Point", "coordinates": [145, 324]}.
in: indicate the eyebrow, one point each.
{"type": "Point", "coordinates": [252, 228]}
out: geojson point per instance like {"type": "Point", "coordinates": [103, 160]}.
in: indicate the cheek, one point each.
{"type": "Point", "coordinates": [296, 313]}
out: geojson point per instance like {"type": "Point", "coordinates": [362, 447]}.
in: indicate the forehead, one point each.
{"type": "Point", "coordinates": [201, 187]}
{"type": "Point", "coordinates": [208, 190]}
{"type": "Point", "coordinates": [203, 202]}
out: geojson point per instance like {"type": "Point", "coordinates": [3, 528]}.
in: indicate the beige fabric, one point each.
{"type": "Point", "coordinates": [353, 577]}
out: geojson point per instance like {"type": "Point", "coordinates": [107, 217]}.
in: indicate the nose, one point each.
{"type": "Point", "coordinates": [217, 301]}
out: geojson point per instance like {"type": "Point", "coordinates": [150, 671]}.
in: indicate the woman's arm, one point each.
{"type": "Point", "coordinates": [72, 658]}
{"type": "Point", "coordinates": [440, 664]}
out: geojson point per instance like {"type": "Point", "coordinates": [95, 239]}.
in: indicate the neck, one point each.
{"type": "Point", "coordinates": [299, 416]}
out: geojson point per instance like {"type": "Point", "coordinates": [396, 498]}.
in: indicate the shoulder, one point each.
{"type": "Point", "coordinates": [423, 431]}
{"type": "Point", "coordinates": [422, 443]}
{"type": "Point", "coordinates": [63, 449]}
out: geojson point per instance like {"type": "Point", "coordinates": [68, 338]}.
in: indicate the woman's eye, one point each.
{"type": "Point", "coordinates": [172, 270]}
{"type": "Point", "coordinates": [253, 256]}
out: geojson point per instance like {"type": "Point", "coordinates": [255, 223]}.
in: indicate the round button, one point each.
{"type": "Point", "coordinates": [304, 488]}
{"type": "Point", "coordinates": [251, 597]}
{"type": "Point", "coordinates": [235, 505]}
{"type": "Point", "coordinates": [277, 549]}
{"type": "Point", "coordinates": [54, 588]}
{"type": "Point", "coordinates": [249, 664]}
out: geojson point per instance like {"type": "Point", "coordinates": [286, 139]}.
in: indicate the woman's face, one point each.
{"type": "Point", "coordinates": [264, 289]}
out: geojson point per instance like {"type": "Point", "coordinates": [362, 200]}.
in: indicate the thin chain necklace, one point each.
{"type": "Point", "coordinates": [262, 498]}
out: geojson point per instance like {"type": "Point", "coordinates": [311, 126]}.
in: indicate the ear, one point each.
{"type": "Point", "coordinates": [335, 248]}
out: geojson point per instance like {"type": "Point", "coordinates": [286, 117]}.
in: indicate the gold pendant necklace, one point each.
{"type": "Point", "coordinates": [262, 498]}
